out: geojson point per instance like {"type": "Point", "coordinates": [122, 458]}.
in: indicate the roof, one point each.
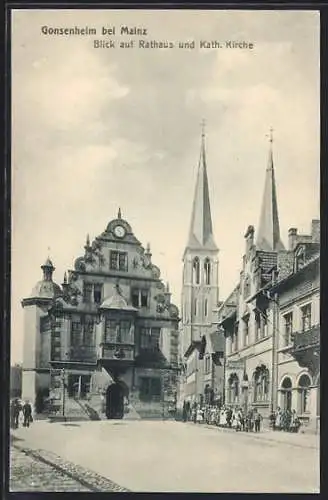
{"type": "Point", "coordinates": [268, 236]}
{"type": "Point", "coordinates": [275, 287]}
{"type": "Point", "coordinates": [201, 230]}
{"type": "Point", "coordinates": [216, 341]}
{"type": "Point", "coordinates": [46, 289]}
{"type": "Point", "coordinates": [116, 302]}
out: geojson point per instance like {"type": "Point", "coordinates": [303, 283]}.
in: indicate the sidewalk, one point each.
{"type": "Point", "coordinates": [305, 440]}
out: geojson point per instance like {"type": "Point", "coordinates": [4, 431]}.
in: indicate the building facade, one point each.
{"type": "Point", "coordinates": [201, 349]}
{"type": "Point", "coordinates": [246, 326]}
{"type": "Point", "coordinates": [298, 344]}
{"type": "Point", "coordinates": [271, 319]}
{"type": "Point", "coordinates": [108, 335]}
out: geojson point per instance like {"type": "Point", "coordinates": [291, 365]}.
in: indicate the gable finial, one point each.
{"type": "Point", "coordinates": [119, 215]}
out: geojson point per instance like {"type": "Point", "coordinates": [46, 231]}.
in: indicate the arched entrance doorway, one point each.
{"type": "Point", "coordinates": [286, 392]}
{"type": "Point", "coordinates": [115, 400]}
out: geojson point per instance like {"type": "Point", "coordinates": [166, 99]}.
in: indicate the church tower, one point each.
{"type": "Point", "coordinates": [200, 264]}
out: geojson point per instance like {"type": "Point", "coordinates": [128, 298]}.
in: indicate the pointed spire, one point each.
{"type": "Point", "coordinates": [48, 269]}
{"type": "Point", "coordinates": [88, 240]}
{"type": "Point", "coordinates": [201, 230]}
{"type": "Point", "coordinates": [65, 278]}
{"type": "Point", "coordinates": [268, 236]}
{"type": "Point", "coordinates": [119, 215]}
{"type": "Point", "coordinates": [148, 249]}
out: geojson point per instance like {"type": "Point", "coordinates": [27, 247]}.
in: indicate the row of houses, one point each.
{"type": "Point", "coordinates": [260, 347]}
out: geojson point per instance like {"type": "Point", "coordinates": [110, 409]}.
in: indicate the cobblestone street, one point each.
{"type": "Point", "coordinates": [99, 456]}
{"type": "Point", "coordinates": [40, 470]}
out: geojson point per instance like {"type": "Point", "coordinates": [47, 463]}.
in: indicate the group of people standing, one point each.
{"type": "Point", "coordinates": [285, 420]}
{"type": "Point", "coordinates": [234, 418]}
{"type": "Point", "coordinates": [20, 412]}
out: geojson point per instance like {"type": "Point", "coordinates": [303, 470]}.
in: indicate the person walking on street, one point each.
{"type": "Point", "coordinates": [27, 412]}
{"type": "Point", "coordinates": [257, 421]}
{"type": "Point", "coordinates": [16, 412]}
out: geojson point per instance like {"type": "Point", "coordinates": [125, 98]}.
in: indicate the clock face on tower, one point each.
{"type": "Point", "coordinates": [119, 231]}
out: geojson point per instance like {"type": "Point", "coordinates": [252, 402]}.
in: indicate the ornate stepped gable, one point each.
{"type": "Point", "coordinates": [95, 260]}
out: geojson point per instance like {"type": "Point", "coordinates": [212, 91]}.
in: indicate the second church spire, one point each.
{"type": "Point", "coordinates": [268, 236]}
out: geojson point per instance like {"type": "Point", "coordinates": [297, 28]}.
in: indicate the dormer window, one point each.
{"type": "Point", "coordinates": [299, 259]}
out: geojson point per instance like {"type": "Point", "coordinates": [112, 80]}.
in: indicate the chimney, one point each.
{"type": "Point", "coordinates": [292, 238]}
{"type": "Point", "coordinates": [315, 231]}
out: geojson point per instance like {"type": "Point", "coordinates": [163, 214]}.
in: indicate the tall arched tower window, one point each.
{"type": "Point", "coordinates": [196, 271]}
{"type": "Point", "coordinates": [206, 307]}
{"type": "Point", "coordinates": [207, 271]}
{"type": "Point", "coordinates": [195, 307]}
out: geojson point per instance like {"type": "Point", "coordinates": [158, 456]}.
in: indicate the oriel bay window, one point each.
{"type": "Point", "coordinates": [111, 328]}
{"type": "Point", "coordinates": [149, 338]}
{"type": "Point", "coordinates": [118, 331]}
{"type": "Point", "coordinates": [118, 260]}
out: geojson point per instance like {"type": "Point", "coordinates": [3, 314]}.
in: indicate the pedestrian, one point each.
{"type": "Point", "coordinates": [223, 419]}
{"type": "Point", "coordinates": [295, 422]}
{"type": "Point", "coordinates": [272, 419]}
{"type": "Point", "coordinates": [17, 413]}
{"type": "Point", "coordinates": [27, 412]}
{"type": "Point", "coordinates": [229, 417]}
{"type": "Point", "coordinates": [199, 415]}
{"type": "Point", "coordinates": [14, 414]}
{"type": "Point", "coordinates": [257, 421]}
{"type": "Point", "coordinates": [278, 419]}
{"type": "Point", "coordinates": [241, 419]}
{"type": "Point", "coordinates": [234, 421]}
{"type": "Point", "coordinates": [184, 412]}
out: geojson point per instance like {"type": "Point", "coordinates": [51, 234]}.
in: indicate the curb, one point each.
{"type": "Point", "coordinates": [257, 436]}
{"type": "Point", "coordinates": [90, 480]}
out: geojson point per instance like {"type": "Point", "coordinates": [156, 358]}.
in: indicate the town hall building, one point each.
{"type": "Point", "coordinates": [108, 335]}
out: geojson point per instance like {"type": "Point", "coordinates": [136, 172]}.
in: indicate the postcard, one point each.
{"type": "Point", "coordinates": [165, 251]}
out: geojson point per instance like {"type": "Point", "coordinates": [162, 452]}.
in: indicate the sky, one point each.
{"type": "Point", "coordinates": [97, 129]}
